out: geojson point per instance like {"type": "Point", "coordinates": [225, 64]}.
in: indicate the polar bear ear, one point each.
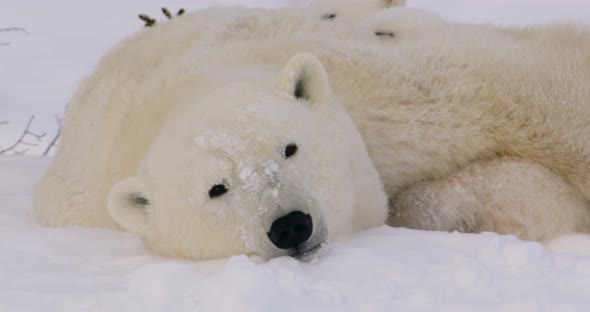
{"type": "Point", "coordinates": [305, 78]}
{"type": "Point", "coordinates": [128, 202]}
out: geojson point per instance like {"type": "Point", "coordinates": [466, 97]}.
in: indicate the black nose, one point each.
{"type": "Point", "coordinates": [291, 230]}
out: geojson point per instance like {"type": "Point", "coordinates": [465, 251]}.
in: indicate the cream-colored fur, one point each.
{"type": "Point", "coordinates": [122, 74]}
{"type": "Point", "coordinates": [557, 36]}
{"type": "Point", "coordinates": [509, 196]}
{"type": "Point", "coordinates": [400, 23]}
{"type": "Point", "coordinates": [220, 113]}
{"type": "Point", "coordinates": [568, 42]}
{"type": "Point", "coordinates": [349, 194]}
{"type": "Point", "coordinates": [348, 12]}
{"type": "Point", "coordinates": [504, 195]}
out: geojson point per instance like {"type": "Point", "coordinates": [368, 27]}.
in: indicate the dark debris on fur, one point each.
{"type": "Point", "coordinates": [150, 21]}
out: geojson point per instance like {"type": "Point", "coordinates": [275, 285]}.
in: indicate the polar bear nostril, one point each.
{"type": "Point", "coordinates": [291, 230]}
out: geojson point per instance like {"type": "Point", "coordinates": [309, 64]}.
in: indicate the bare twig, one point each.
{"type": "Point", "coordinates": [22, 140]}
{"type": "Point", "coordinates": [12, 29]}
{"type": "Point", "coordinates": [166, 13]}
{"type": "Point", "coordinates": [53, 142]}
{"type": "Point", "coordinates": [150, 21]}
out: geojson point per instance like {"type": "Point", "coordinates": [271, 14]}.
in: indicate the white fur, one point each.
{"type": "Point", "coordinates": [402, 23]}
{"type": "Point", "coordinates": [348, 12]}
{"type": "Point", "coordinates": [337, 185]}
{"type": "Point", "coordinates": [511, 196]}
{"type": "Point", "coordinates": [505, 195]}
{"type": "Point", "coordinates": [169, 125]}
{"type": "Point", "coordinates": [148, 52]}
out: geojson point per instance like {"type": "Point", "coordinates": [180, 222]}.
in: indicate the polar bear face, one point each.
{"type": "Point", "coordinates": [349, 11]}
{"type": "Point", "coordinates": [267, 170]}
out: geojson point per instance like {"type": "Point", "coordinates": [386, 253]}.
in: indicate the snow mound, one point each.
{"type": "Point", "coordinates": [384, 269]}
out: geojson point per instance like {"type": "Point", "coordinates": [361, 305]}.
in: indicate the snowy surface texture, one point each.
{"type": "Point", "coordinates": [384, 269]}
{"type": "Point", "coordinates": [40, 70]}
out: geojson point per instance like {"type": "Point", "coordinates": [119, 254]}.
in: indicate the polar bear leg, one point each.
{"type": "Point", "coordinates": [506, 195]}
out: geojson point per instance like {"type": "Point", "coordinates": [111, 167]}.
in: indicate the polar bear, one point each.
{"type": "Point", "coordinates": [290, 187]}
{"type": "Point", "coordinates": [213, 155]}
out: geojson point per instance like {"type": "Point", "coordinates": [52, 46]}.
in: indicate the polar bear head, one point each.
{"type": "Point", "coordinates": [266, 169]}
{"type": "Point", "coordinates": [349, 11]}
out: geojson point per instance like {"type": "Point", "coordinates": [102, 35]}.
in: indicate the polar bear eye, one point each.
{"type": "Point", "coordinates": [217, 190]}
{"type": "Point", "coordinates": [328, 17]}
{"type": "Point", "coordinates": [290, 150]}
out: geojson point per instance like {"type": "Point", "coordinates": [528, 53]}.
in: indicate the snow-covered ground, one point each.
{"type": "Point", "coordinates": [385, 269]}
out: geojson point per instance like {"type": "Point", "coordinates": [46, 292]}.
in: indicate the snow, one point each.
{"type": "Point", "coordinates": [383, 269]}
